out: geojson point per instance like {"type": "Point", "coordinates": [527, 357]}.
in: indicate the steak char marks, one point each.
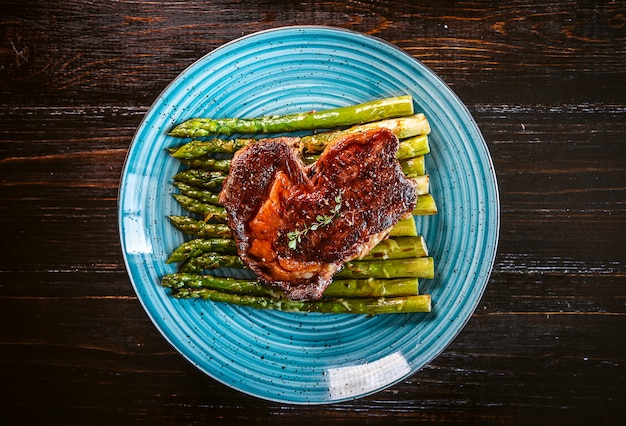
{"type": "Point", "coordinates": [270, 193]}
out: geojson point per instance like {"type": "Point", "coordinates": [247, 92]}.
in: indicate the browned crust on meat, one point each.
{"type": "Point", "coordinates": [270, 193]}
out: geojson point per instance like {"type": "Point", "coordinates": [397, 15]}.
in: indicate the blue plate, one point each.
{"type": "Point", "coordinates": [312, 358]}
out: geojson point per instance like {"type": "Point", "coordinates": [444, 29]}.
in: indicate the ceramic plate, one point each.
{"type": "Point", "coordinates": [312, 358]}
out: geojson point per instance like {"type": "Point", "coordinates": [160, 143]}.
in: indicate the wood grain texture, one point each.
{"type": "Point", "coordinates": [545, 82]}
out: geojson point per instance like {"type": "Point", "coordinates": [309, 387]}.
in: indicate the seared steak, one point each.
{"type": "Point", "coordinates": [295, 225]}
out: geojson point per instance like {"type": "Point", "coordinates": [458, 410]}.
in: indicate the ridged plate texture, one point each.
{"type": "Point", "coordinates": [312, 358]}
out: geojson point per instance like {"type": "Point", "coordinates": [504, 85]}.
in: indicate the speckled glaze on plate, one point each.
{"type": "Point", "coordinates": [312, 358]}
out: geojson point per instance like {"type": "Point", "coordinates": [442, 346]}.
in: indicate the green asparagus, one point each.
{"type": "Point", "coordinates": [416, 267]}
{"type": "Point", "coordinates": [413, 147]}
{"type": "Point", "coordinates": [207, 163]}
{"type": "Point", "coordinates": [392, 248]}
{"type": "Point", "coordinates": [422, 184]}
{"type": "Point", "coordinates": [208, 211]}
{"type": "Point", "coordinates": [426, 206]}
{"type": "Point", "coordinates": [196, 193]}
{"type": "Point", "coordinates": [211, 260]}
{"type": "Point", "coordinates": [198, 246]}
{"type": "Point", "coordinates": [201, 178]}
{"type": "Point", "coordinates": [311, 120]}
{"type": "Point", "coordinates": [404, 228]}
{"type": "Point", "coordinates": [200, 148]}
{"type": "Point", "coordinates": [180, 280]}
{"type": "Point", "coordinates": [347, 288]}
{"type": "Point", "coordinates": [398, 248]}
{"type": "Point", "coordinates": [312, 145]}
{"type": "Point", "coordinates": [362, 306]}
{"type": "Point", "coordinates": [202, 255]}
{"type": "Point", "coordinates": [200, 228]}
{"type": "Point", "coordinates": [372, 287]}
{"type": "Point", "coordinates": [413, 167]}
{"type": "Point", "coordinates": [402, 127]}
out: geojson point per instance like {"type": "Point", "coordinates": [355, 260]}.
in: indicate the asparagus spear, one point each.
{"type": "Point", "coordinates": [210, 260]}
{"type": "Point", "coordinates": [409, 126]}
{"type": "Point", "coordinates": [386, 262]}
{"type": "Point", "coordinates": [370, 287]}
{"type": "Point", "coordinates": [363, 306]}
{"type": "Point", "coordinates": [201, 178]}
{"type": "Point", "coordinates": [207, 252]}
{"type": "Point", "coordinates": [404, 228]}
{"type": "Point", "coordinates": [207, 163]}
{"type": "Point", "coordinates": [200, 228]}
{"type": "Point", "coordinates": [199, 148]}
{"type": "Point", "coordinates": [402, 127]}
{"type": "Point", "coordinates": [413, 147]}
{"type": "Point", "coordinates": [426, 206]}
{"type": "Point", "coordinates": [413, 167]}
{"type": "Point", "coordinates": [198, 246]}
{"type": "Point", "coordinates": [398, 248]}
{"type": "Point", "coordinates": [209, 211]}
{"type": "Point", "coordinates": [422, 183]}
{"type": "Point", "coordinates": [417, 267]}
{"type": "Point", "coordinates": [392, 248]}
{"type": "Point", "coordinates": [199, 194]}
{"type": "Point", "coordinates": [338, 117]}
{"type": "Point", "coordinates": [233, 285]}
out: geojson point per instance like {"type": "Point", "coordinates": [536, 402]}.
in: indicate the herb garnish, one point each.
{"type": "Point", "coordinates": [295, 237]}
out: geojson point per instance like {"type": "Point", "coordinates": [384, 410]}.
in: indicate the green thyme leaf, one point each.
{"type": "Point", "coordinates": [295, 237]}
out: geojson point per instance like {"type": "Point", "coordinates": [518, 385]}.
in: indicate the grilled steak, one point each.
{"type": "Point", "coordinates": [295, 225]}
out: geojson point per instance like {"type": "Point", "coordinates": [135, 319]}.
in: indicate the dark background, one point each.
{"type": "Point", "coordinates": [546, 83]}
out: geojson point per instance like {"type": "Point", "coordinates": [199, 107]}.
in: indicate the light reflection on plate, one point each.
{"type": "Point", "coordinates": [312, 358]}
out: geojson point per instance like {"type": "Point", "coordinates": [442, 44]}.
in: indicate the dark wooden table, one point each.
{"type": "Point", "coordinates": [546, 83]}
